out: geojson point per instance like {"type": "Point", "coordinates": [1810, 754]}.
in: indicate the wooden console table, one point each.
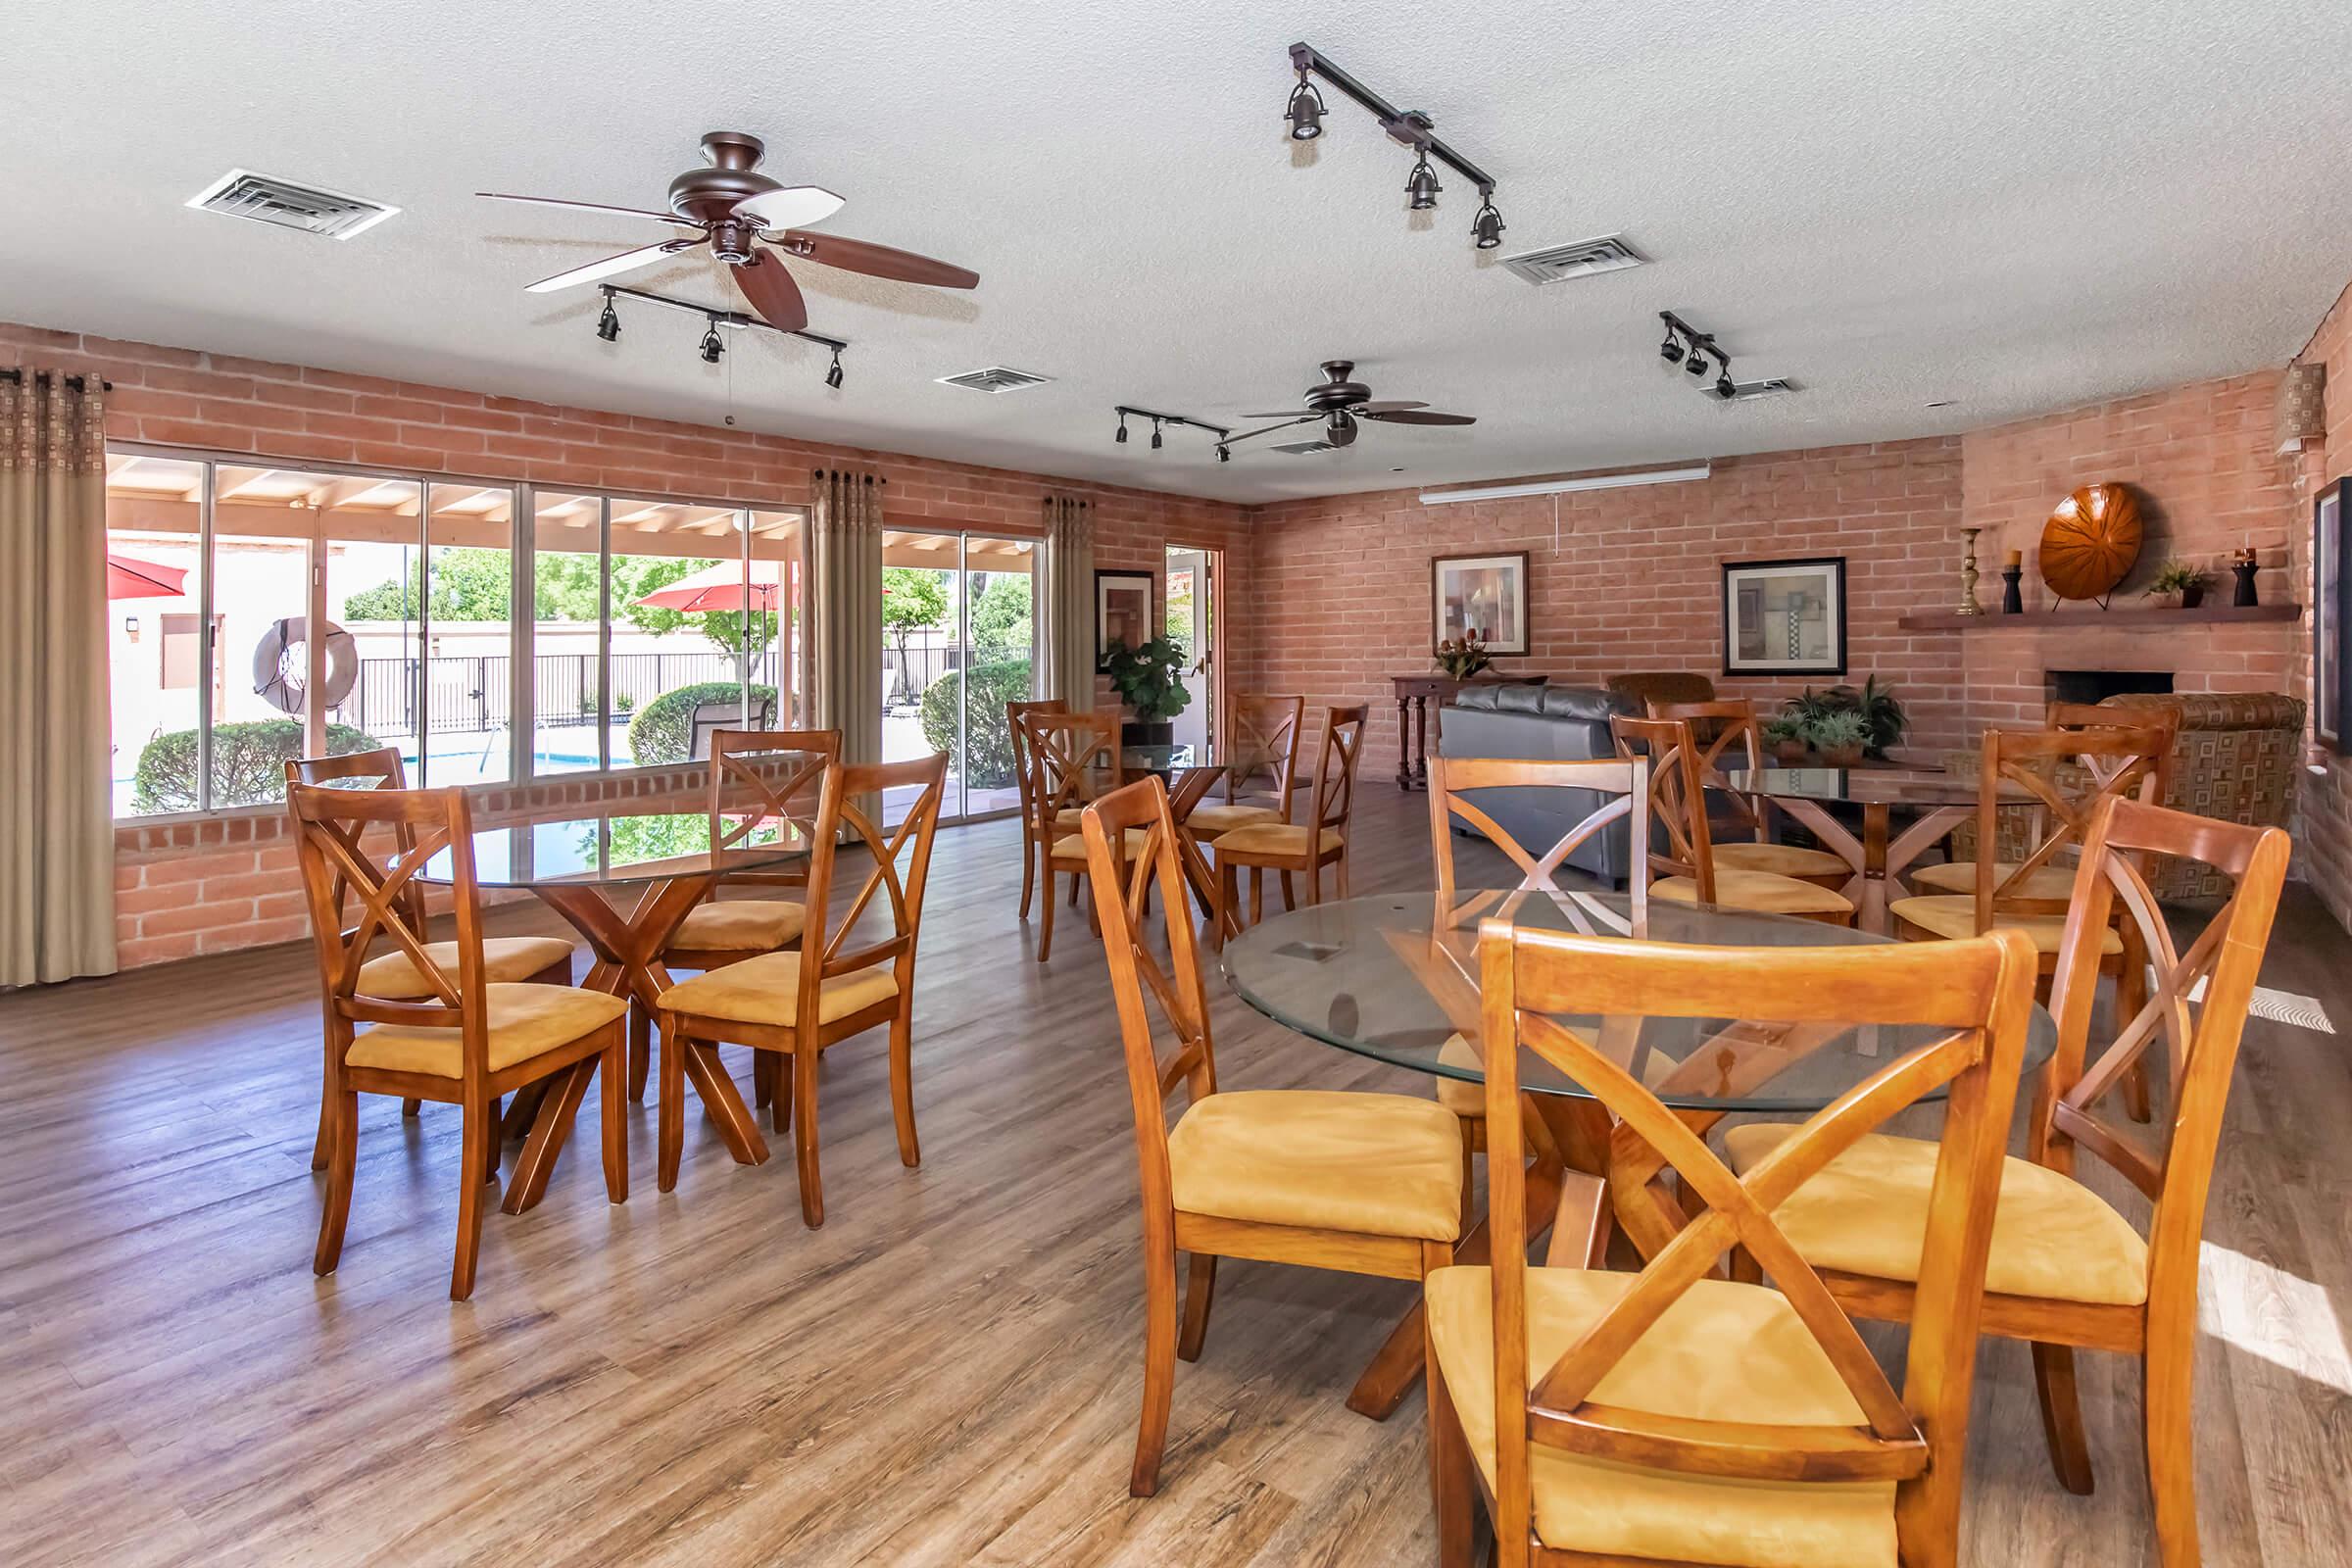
{"type": "Point", "coordinates": [1413, 693]}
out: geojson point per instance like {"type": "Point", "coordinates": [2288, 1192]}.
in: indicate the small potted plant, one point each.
{"type": "Point", "coordinates": [2178, 577]}
{"type": "Point", "coordinates": [1784, 737]}
{"type": "Point", "coordinates": [1840, 735]}
{"type": "Point", "coordinates": [1463, 656]}
{"type": "Point", "coordinates": [1149, 680]}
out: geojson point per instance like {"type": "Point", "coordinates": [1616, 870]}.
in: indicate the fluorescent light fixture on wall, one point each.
{"type": "Point", "coordinates": [1554, 487]}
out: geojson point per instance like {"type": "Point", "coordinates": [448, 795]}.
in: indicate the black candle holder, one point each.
{"type": "Point", "coordinates": [2013, 601]}
{"type": "Point", "coordinates": [2244, 566]}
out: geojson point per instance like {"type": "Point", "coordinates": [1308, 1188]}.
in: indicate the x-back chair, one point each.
{"type": "Point", "coordinates": [1024, 785]}
{"type": "Point", "coordinates": [1074, 756]}
{"type": "Point", "coordinates": [1261, 741]}
{"type": "Point", "coordinates": [1736, 739]}
{"type": "Point", "coordinates": [1306, 847]}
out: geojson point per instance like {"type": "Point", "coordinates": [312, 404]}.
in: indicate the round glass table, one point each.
{"type": "Point", "coordinates": [1932, 801]}
{"type": "Point", "coordinates": [1395, 977]}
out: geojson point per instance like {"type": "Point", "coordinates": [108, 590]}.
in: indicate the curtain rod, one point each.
{"type": "Point", "coordinates": [13, 373]}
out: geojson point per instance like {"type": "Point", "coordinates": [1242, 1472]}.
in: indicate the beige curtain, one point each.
{"type": "Point", "coordinates": [1065, 604]}
{"type": "Point", "coordinates": [56, 831]}
{"type": "Point", "coordinates": [844, 609]}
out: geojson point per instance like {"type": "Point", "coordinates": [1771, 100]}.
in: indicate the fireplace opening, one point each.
{"type": "Point", "coordinates": [2097, 685]}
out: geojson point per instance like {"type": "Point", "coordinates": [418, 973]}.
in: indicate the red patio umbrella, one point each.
{"type": "Point", "coordinates": [721, 587]}
{"type": "Point", "coordinates": [128, 577]}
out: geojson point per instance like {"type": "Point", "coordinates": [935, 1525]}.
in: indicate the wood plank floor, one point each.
{"type": "Point", "coordinates": [948, 1372]}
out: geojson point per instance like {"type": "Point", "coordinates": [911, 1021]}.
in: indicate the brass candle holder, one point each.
{"type": "Point", "coordinates": [1968, 605]}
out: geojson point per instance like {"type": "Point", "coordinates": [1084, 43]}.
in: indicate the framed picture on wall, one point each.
{"type": "Point", "coordinates": [1122, 611]}
{"type": "Point", "coordinates": [1784, 617]}
{"type": "Point", "coordinates": [1485, 595]}
{"type": "Point", "coordinates": [2331, 607]}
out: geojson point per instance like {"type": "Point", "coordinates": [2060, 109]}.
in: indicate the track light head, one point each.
{"type": "Point", "coordinates": [1697, 363]}
{"type": "Point", "coordinates": [833, 376]}
{"type": "Point", "coordinates": [1224, 453]}
{"type": "Point", "coordinates": [1723, 388]}
{"type": "Point", "coordinates": [1671, 351]}
{"type": "Point", "coordinates": [1421, 187]}
{"type": "Point", "coordinates": [712, 347]}
{"type": "Point", "coordinates": [1305, 111]}
{"type": "Point", "coordinates": [1156, 441]}
{"type": "Point", "coordinates": [1121, 437]}
{"type": "Point", "coordinates": [608, 325]}
{"type": "Point", "coordinates": [1485, 229]}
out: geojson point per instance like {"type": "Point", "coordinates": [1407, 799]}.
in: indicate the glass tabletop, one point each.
{"type": "Point", "coordinates": [1384, 978]}
{"type": "Point", "coordinates": [612, 848]}
{"type": "Point", "coordinates": [1162, 759]}
{"type": "Point", "coordinates": [1925, 787]}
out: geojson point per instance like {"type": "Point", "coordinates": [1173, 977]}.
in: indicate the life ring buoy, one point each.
{"type": "Point", "coordinates": [280, 663]}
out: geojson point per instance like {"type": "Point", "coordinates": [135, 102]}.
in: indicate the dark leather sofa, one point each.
{"type": "Point", "coordinates": [1552, 723]}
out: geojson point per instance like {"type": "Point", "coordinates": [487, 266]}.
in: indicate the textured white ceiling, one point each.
{"type": "Point", "coordinates": [2014, 205]}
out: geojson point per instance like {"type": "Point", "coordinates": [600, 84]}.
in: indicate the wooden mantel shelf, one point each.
{"type": "Point", "coordinates": [2087, 619]}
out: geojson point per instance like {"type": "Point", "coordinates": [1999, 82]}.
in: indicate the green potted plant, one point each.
{"type": "Point", "coordinates": [2178, 577]}
{"type": "Point", "coordinates": [1840, 735]}
{"type": "Point", "coordinates": [1149, 680]}
{"type": "Point", "coordinates": [1461, 658]}
{"type": "Point", "coordinates": [1884, 721]}
{"type": "Point", "coordinates": [1785, 738]}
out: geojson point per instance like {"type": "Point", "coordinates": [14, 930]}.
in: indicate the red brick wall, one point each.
{"type": "Point", "coordinates": [2324, 822]}
{"type": "Point", "coordinates": [1630, 581]}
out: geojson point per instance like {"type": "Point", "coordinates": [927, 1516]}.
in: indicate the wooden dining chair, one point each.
{"type": "Point", "coordinates": [799, 1005]}
{"type": "Point", "coordinates": [1260, 757]}
{"type": "Point", "coordinates": [1676, 1416]}
{"type": "Point", "coordinates": [1681, 851]}
{"type": "Point", "coordinates": [1362, 1183]}
{"type": "Point", "coordinates": [1074, 756]}
{"type": "Point", "coordinates": [759, 779]}
{"type": "Point", "coordinates": [534, 960]}
{"type": "Point", "coordinates": [1735, 738]}
{"type": "Point", "coordinates": [2066, 1271]}
{"type": "Point", "coordinates": [468, 1041]}
{"type": "Point", "coordinates": [1024, 787]}
{"type": "Point", "coordinates": [1298, 848]}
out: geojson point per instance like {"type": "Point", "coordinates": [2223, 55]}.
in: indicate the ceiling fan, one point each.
{"type": "Point", "coordinates": [734, 209]}
{"type": "Point", "coordinates": [1340, 401]}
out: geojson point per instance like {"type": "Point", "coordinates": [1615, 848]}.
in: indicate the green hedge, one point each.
{"type": "Point", "coordinates": [987, 757]}
{"type": "Point", "coordinates": [249, 763]}
{"type": "Point", "coordinates": [664, 729]}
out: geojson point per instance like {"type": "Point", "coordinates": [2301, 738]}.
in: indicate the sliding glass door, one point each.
{"type": "Point", "coordinates": [957, 635]}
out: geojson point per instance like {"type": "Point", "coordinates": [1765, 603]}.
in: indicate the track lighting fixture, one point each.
{"type": "Point", "coordinates": [712, 348]}
{"type": "Point", "coordinates": [833, 376]}
{"type": "Point", "coordinates": [1421, 187]}
{"type": "Point", "coordinates": [1305, 111]}
{"type": "Point", "coordinates": [1697, 365]}
{"type": "Point", "coordinates": [1723, 388]}
{"type": "Point", "coordinates": [608, 325]}
{"type": "Point", "coordinates": [1160, 420]}
{"type": "Point", "coordinates": [1155, 435]}
{"type": "Point", "coordinates": [1224, 453]}
{"type": "Point", "coordinates": [1485, 229]}
{"type": "Point", "coordinates": [1691, 349]}
{"type": "Point", "coordinates": [1410, 127]}
{"type": "Point", "coordinates": [1671, 351]}
{"type": "Point", "coordinates": [1121, 437]}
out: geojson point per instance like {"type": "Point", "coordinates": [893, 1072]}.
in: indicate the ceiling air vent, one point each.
{"type": "Point", "coordinates": [1779, 386]}
{"type": "Point", "coordinates": [996, 378]}
{"type": "Point", "coordinates": [1608, 253]}
{"type": "Point", "coordinates": [242, 193]}
{"type": "Point", "coordinates": [1301, 449]}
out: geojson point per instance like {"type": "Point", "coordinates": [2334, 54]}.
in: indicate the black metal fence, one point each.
{"type": "Point", "coordinates": [471, 693]}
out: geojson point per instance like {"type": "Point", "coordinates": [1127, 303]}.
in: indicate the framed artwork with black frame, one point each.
{"type": "Point", "coordinates": [1122, 611]}
{"type": "Point", "coordinates": [2330, 611]}
{"type": "Point", "coordinates": [1784, 617]}
{"type": "Point", "coordinates": [1480, 594]}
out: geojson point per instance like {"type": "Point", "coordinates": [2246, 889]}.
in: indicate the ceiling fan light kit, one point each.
{"type": "Point", "coordinates": [1410, 126]}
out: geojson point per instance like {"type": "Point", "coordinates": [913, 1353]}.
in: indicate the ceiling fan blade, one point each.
{"type": "Point", "coordinates": [1416, 416]}
{"type": "Point", "coordinates": [768, 285]}
{"type": "Point", "coordinates": [627, 261]}
{"type": "Point", "coordinates": [876, 261]}
{"type": "Point", "coordinates": [590, 207]}
{"type": "Point", "coordinates": [790, 207]}
{"type": "Point", "coordinates": [1388, 406]}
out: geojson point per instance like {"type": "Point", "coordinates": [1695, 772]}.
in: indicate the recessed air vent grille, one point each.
{"type": "Point", "coordinates": [1779, 386]}
{"type": "Point", "coordinates": [1301, 449]}
{"type": "Point", "coordinates": [1608, 253]}
{"type": "Point", "coordinates": [242, 193]}
{"type": "Point", "coordinates": [996, 378]}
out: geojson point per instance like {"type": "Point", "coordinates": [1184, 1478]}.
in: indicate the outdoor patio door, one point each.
{"type": "Point", "coordinates": [1192, 622]}
{"type": "Point", "coordinates": [957, 631]}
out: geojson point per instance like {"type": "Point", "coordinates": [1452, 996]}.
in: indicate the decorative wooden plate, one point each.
{"type": "Point", "coordinates": [2090, 542]}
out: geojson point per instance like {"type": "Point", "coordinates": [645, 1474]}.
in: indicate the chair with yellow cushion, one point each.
{"type": "Point", "coordinates": [536, 960]}
{"type": "Point", "coordinates": [762, 781]}
{"type": "Point", "coordinates": [1730, 734]}
{"type": "Point", "coordinates": [1683, 855]}
{"type": "Point", "coordinates": [1024, 786]}
{"type": "Point", "coordinates": [1303, 848]}
{"type": "Point", "coordinates": [1365, 1184]}
{"type": "Point", "coordinates": [799, 1005]}
{"type": "Point", "coordinates": [1260, 757]}
{"type": "Point", "coordinates": [1674, 1416]}
{"type": "Point", "coordinates": [465, 1041]}
{"type": "Point", "coordinates": [1073, 757]}
{"type": "Point", "coordinates": [2066, 1271]}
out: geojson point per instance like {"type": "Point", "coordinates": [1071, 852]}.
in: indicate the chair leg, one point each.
{"type": "Point", "coordinates": [475, 1169]}
{"type": "Point", "coordinates": [1229, 897]}
{"type": "Point", "coordinates": [616, 1107]}
{"type": "Point", "coordinates": [408, 1110]}
{"type": "Point", "coordinates": [641, 1049]}
{"type": "Point", "coordinates": [1314, 882]}
{"type": "Point", "coordinates": [764, 1077]}
{"type": "Point", "coordinates": [803, 1134]}
{"type": "Point", "coordinates": [669, 1119]}
{"type": "Point", "coordinates": [1290, 895]}
{"type": "Point", "coordinates": [1258, 894]}
{"type": "Point", "coordinates": [1159, 1370]}
{"type": "Point", "coordinates": [779, 1071]}
{"type": "Point", "coordinates": [1045, 938]}
{"type": "Point", "coordinates": [323, 1146]}
{"type": "Point", "coordinates": [342, 1139]}
{"type": "Point", "coordinates": [901, 1085]}
{"type": "Point", "coordinates": [1199, 1289]}
{"type": "Point", "coordinates": [1339, 873]}
{"type": "Point", "coordinates": [494, 1145]}
{"type": "Point", "coordinates": [1452, 1496]}
{"type": "Point", "coordinates": [1028, 877]}
{"type": "Point", "coordinates": [2062, 1416]}
{"type": "Point", "coordinates": [2165, 1377]}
